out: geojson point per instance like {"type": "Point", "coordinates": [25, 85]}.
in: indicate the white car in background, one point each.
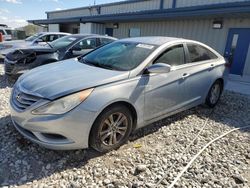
{"type": "Point", "coordinates": [7, 33]}
{"type": "Point", "coordinates": [37, 39]}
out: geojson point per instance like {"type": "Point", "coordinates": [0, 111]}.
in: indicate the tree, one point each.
{"type": "Point", "coordinates": [30, 29]}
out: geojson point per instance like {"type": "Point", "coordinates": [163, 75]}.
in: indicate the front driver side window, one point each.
{"type": "Point", "coordinates": [173, 56]}
{"type": "Point", "coordinates": [44, 38]}
{"type": "Point", "coordinates": [86, 44]}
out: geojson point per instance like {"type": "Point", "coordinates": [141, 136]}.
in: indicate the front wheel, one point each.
{"type": "Point", "coordinates": [214, 94]}
{"type": "Point", "coordinates": [111, 129]}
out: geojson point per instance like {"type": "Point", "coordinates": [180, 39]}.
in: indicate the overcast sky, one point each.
{"type": "Point", "coordinates": [14, 13]}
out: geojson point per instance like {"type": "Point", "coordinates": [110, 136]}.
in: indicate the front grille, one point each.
{"type": "Point", "coordinates": [23, 100]}
{"type": "Point", "coordinates": [2, 57]}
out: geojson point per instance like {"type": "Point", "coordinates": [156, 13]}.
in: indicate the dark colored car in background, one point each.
{"type": "Point", "coordinates": [21, 60]}
{"type": "Point", "coordinates": [37, 39]}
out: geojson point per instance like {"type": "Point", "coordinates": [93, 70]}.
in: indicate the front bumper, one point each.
{"type": "Point", "coordinates": [59, 132]}
{"type": "Point", "coordinates": [13, 69]}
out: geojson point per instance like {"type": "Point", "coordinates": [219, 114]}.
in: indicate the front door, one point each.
{"type": "Point", "coordinates": [237, 49]}
{"type": "Point", "coordinates": [165, 92]}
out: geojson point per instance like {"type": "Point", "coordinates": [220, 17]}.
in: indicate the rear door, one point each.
{"type": "Point", "coordinates": [199, 72]}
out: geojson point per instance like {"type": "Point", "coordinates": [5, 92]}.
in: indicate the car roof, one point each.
{"type": "Point", "coordinates": [154, 40]}
{"type": "Point", "coordinates": [54, 33]}
{"type": "Point", "coordinates": [90, 35]}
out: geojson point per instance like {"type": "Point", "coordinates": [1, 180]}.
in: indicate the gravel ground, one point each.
{"type": "Point", "coordinates": [152, 153]}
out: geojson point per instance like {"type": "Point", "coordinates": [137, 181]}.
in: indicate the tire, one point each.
{"type": "Point", "coordinates": [214, 94]}
{"type": "Point", "coordinates": [11, 79]}
{"type": "Point", "coordinates": [117, 133]}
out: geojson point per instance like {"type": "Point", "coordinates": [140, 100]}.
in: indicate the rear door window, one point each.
{"type": "Point", "coordinates": [173, 56]}
{"type": "Point", "coordinates": [49, 38]}
{"type": "Point", "coordinates": [86, 44]}
{"type": "Point", "coordinates": [199, 53]}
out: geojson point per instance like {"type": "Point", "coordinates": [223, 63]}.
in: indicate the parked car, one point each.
{"type": "Point", "coordinates": [21, 60]}
{"type": "Point", "coordinates": [99, 99]}
{"type": "Point", "coordinates": [37, 39]}
{"type": "Point", "coordinates": [6, 32]}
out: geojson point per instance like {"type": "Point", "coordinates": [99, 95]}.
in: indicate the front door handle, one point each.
{"type": "Point", "coordinates": [211, 66]}
{"type": "Point", "coordinates": [185, 75]}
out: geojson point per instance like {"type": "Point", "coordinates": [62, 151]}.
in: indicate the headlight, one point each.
{"type": "Point", "coordinates": [64, 104]}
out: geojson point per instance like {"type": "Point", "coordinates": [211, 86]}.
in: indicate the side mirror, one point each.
{"type": "Point", "coordinates": [159, 68]}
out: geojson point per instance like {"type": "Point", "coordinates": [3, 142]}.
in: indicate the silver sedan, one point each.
{"type": "Point", "coordinates": [97, 100]}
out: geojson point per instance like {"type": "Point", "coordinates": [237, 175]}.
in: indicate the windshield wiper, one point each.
{"type": "Point", "coordinates": [96, 64]}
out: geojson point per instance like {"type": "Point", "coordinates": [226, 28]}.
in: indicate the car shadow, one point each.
{"type": "Point", "coordinates": [31, 160]}
{"type": "Point", "coordinates": [22, 161]}
{"type": "Point", "coordinates": [226, 112]}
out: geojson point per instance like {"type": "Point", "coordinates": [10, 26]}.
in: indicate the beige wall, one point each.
{"type": "Point", "coordinates": [197, 29]}
{"type": "Point", "coordinates": [53, 27]}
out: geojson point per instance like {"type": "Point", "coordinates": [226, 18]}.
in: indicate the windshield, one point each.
{"type": "Point", "coordinates": [9, 32]}
{"type": "Point", "coordinates": [122, 56]}
{"type": "Point", "coordinates": [33, 37]}
{"type": "Point", "coordinates": [62, 42]}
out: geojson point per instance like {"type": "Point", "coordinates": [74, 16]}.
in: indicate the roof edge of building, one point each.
{"type": "Point", "coordinates": [202, 10]}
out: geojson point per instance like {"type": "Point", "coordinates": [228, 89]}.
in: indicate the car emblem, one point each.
{"type": "Point", "coordinates": [18, 96]}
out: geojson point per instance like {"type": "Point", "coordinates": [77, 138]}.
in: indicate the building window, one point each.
{"type": "Point", "coordinates": [134, 32]}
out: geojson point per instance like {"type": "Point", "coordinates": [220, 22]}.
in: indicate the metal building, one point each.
{"type": "Point", "coordinates": [222, 24]}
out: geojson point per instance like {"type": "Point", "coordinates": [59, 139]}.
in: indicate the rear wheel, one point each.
{"type": "Point", "coordinates": [111, 129]}
{"type": "Point", "coordinates": [214, 94]}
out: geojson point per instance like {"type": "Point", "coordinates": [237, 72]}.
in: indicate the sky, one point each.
{"type": "Point", "coordinates": [14, 13]}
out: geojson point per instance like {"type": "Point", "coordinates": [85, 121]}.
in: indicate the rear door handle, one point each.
{"type": "Point", "coordinates": [185, 75]}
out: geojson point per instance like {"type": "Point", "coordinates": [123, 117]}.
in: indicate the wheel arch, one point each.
{"type": "Point", "coordinates": [127, 104]}
{"type": "Point", "coordinates": [221, 80]}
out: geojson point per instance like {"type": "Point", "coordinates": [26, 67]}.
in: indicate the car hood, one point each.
{"type": "Point", "coordinates": [38, 48]}
{"type": "Point", "coordinates": [62, 78]}
{"type": "Point", "coordinates": [18, 54]}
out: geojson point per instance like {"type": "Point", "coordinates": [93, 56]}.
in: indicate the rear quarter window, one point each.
{"type": "Point", "coordinates": [199, 53]}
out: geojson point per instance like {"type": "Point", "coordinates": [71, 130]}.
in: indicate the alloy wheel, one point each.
{"type": "Point", "coordinates": [215, 93]}
{"type": "Point", "coordinates": [113, 129]}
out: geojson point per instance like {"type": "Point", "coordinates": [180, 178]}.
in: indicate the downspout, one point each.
{"type": "Point", "coordinates": [161, 4]}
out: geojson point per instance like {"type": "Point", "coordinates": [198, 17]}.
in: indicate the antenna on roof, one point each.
{"type": "Point", "coordinates": [94, 2]}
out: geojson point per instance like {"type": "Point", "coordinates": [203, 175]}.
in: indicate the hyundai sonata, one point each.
{"type": "Point", "coordinates": [97, 100]}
